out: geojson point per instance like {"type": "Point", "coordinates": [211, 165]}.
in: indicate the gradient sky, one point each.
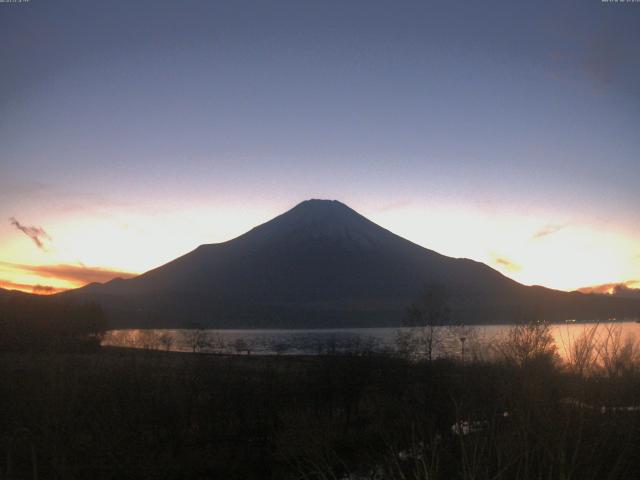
{"type": "Point", "coordinates": [506, 132]}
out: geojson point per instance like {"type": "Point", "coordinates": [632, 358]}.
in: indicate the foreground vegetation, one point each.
{"type": "Point", "coordinates": [123, 413]}
{"type": "Point", "coordinates": [32, 323]}
{"type": "Point", "coordinates": [442, 405]}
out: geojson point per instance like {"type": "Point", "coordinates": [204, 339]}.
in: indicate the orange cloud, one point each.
{"type": "Point", "coordinates": [611, 288]}
{"type": "Point", "coordinates": [75, 274]}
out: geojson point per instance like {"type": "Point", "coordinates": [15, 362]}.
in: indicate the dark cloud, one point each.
{"type": "Point", "coordinates": [79, 275]}
{"type": "Point", "coordinates": [44, 289]}
{"type": "Point", "coordinates": [548, 230]}
{"type": "Point", "coordinates": [25, 287]}
{"type": "Point", "coordinates": [36, 234]}
{"type": "Point", "coordinates": [626, 292]}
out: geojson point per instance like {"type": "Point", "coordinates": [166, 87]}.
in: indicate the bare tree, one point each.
{"type": "Point", "coordinates": [216, 343]}
{"type": "Point", "coordinates": [241, 345]}
{"type": "Point", "coordinates": [580, 353]}
{"type": "Point", "coordinates": [526, 343]}
{"type": "Point", "coordinates": [424, 317]}
{"type": "Point", "coordinates": [617, 354]}
{"type": "Point", "coordinates": [196, 339]}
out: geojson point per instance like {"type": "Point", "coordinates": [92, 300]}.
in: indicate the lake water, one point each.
{"type": "Point", "coordinates": [347, 340]}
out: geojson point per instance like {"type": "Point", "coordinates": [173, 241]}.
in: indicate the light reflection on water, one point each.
{"type": "Point", "coordinates": [329, 341]}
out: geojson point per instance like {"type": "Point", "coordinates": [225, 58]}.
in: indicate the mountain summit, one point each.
{"type": "Point", "coordinates": [324, 221]}
{"type": "Point", "coordinates": [320, 264]}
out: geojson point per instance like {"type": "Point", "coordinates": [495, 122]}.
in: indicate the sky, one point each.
{"type": "Point", "coordinates": [506, 132]}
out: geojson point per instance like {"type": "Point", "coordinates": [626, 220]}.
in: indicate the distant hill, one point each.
{"type": "Point", "coordinates": [321, 264]}
{"type": "Point", "coordinates": [12, 293]}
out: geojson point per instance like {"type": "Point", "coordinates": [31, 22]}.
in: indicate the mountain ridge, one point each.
{"type": "Point", "coordinates": [322, 264]}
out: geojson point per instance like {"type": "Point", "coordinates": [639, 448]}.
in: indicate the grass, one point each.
{"type": "Point", "coordinates": [138, 414]}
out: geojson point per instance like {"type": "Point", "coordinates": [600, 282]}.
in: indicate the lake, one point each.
{"type": "Point", "coordinates": [451, 340]}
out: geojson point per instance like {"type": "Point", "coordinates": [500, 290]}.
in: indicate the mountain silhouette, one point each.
{"type": "Point", "coordinates": [321, 264]}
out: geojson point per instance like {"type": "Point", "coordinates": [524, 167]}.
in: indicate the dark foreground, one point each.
{"type": "Point", "coordinates": [134, 414]}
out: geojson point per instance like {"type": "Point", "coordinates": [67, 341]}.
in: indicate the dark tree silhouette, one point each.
{"type": "Point", "coordinates": [29, 323]}
{"type": "Point", "coordinates": [428, 313]}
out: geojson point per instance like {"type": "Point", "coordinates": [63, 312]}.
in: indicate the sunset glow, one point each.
{"type": "Point", "coordinates": [530, 250]}
{"type": "Point", "coordinates": [119, 153]}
